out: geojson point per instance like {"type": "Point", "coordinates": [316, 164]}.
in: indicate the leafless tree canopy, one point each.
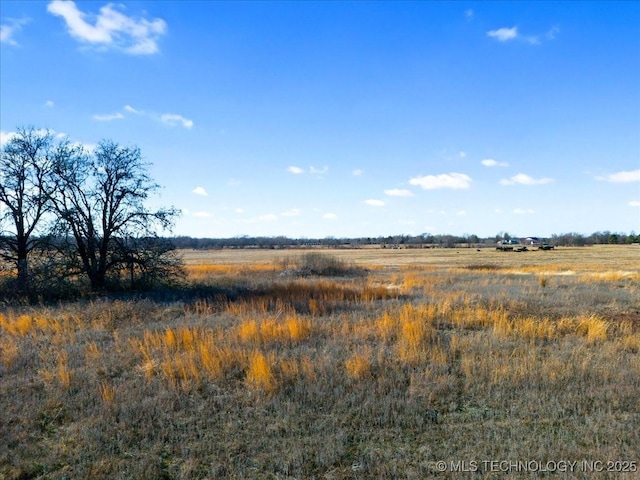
{"type": "Point", "coordinates": [95, 203]}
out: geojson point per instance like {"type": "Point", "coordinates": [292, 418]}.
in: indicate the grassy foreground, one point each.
{"type": "Point", "coordinates": [498, 364]}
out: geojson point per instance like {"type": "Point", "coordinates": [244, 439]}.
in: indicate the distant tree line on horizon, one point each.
{"type": "Point", "coordinates": [422, 240]}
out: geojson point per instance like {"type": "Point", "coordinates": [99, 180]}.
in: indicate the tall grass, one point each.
{"type": "Point", "coordinates": [378, 376]}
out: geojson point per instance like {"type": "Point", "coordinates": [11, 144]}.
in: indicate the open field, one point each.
{"type": "Point", "coordinates": [386, 364]}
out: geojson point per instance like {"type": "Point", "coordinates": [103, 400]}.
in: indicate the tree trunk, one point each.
{"type": "Point", "coordinates": [23, 275]}
{"type": "Point", "coordinates": [98, 281]}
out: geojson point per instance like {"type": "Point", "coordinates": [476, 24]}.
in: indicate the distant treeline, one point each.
{"type": "Point", "coordinates": [404, 241]}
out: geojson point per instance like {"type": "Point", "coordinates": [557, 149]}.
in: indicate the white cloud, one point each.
{"type": "Point", "coordinates": [239, 210]}
{"type": "Point", "coordinates": [8, 31]}
{"type": "Point", "coordinates": [5, 137]}
{"type": "Point", "coordinates": [634, 203]}
{"type": "Point", "coordinates": [108, 117]}
{"type": "Point", "coordinates": [468, 14]}
{"type": "Point", "coordinates": [445, 180]}
{"type": "Point", "coordinates": [201, 214]}
{"type": "Point", "coordinates": [294, 212]}
{"type": "Point", "coordinates": [490, 162]}
{"type": "Point", "coordinates": [269, 217]}
{"type": "Point", "coordinates": [552, 32]}
{"type": "Point", "coordinates": [130, 109]}
{"type": "Point", "coordinates": [318, 171]}
{"type": "Point", "coordinates": [200, 191]}
{"type": "Point", "coordinates": [329, 216]}
{"type": "Point", "coordinates": [312, 170]}
{"type": "Point", "coordinates": [399, 192]}
{"type": "Point", "coordinates": [234, 182]}
{"type": "Point", "coordinates": [462, 154]}
{"type": "Point", "coordinates": [49, 104]}
{"type": "Point", "coordinates": [357, 172]}
{"type": "Point", "coordinates": [110, 28]}
{"type": "Point", "coordinates": [504, 34]}
{"type": "Point", "coordinates": [461, 213]}
{"type": "Point", "coordinates": [173, 120]}
{"type": "Point", "coordinates": [622, 177]}
{"type": "Point", "coordinates": [507, 34]}
{"type": "Point", "coordinates": [523, 179]}
{"type": "Point", "coordinates": [372, 202]}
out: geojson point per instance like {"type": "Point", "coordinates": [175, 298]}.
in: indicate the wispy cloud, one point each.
{"type": "Point", "coordinates": [621, 177]}
{"type": "Point", "coordinates": [175, 120]}
{"type": "Point", "coordinates": [330, 216]}
{"type": "Point", "coordinates": [398, 192]}
{"type": "Point", "coordinates": [200, 191]}
{"type": "Point", "coordinates": [5, 137]}
{"type": "Point", "coordinates": [269, 217]}
{"type": "Point", "coordinates": [169, 119]}
{"type": "Point", "coordinates": [294, 212]}
{"type": "Point", "coordinates": [108, 117]}
{"type": "Point", "coordinates": [504, 34]}
{"type": "Point", "coordinates": [372, 202]}
{"type": "Point", "coordinates": [552, 33]}
{"type": "Point", "coordinates": [524, 179]}
{"type": "Point", "coordinates": [130, 109]}
{"type": "Point", "coordinates": [634, 203]}
{"type": "Point", "coordinates": [522, 211]}
{"type": "Point", "coordinates": [508, 34]}
{"type": "Point", "coordinates": [446, 180]}
{"type": "Point", "coordinates": [110, 28]}
{"type": "Point", "coordinates": [201, 214]}
{"type": "Point", "coordinates": [357, 172]}
{"type": "Point", "coordinates": [49, 104]}
{"type": "Point", "coordinates": [10, 29]}
{"type": "Point", "coordinates": [468, 14]}
{"type": "Point", "coordinates": [319, 172]}
{"type": "Point", "coordinates": [490, 162]}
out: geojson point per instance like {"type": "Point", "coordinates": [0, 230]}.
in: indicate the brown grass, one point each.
{"type": "Point", "coordinates": [438, 356]}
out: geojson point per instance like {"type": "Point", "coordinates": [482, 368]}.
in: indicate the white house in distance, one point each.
{"type": "Point", "coordinates": [533, 241]}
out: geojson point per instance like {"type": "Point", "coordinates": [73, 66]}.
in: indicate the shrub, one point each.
{"type": "Point", "coordinates": [320, 264]}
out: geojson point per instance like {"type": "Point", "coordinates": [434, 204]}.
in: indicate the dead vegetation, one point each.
{"type": "Point", "coordinates": [256, 375]}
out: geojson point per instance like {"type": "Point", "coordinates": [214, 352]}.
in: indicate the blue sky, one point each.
{"type": "Point", "coordinates": [316, 119]}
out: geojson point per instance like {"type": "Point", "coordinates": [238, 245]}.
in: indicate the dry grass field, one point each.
{"type": "Point", "coordinates": [434, 363]}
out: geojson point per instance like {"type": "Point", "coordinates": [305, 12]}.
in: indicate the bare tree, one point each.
{"type": "Point", "coordinates": [100, 200]}
{"type": "Point", "coordinates": [26, 163]}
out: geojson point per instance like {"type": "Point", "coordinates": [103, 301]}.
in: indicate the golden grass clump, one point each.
{"type": "Point", "coordinates": [528, 328]}
{"type": "Point", "coordinates": [416, 333]}
{"type": "Point", "coordinates": [9, 349]}
{"type": "Point", "coordinates": [592, 327]}
{"type": "Point", "coordinates": [386, 326]}
{"type": "Point", "coordinates": [290, 330]}
{"type": "Point", "coordinates": [358, 365]}
{"type": "Point", "coordinates": [259, 374]}
{"type": "Point", "coordinates": [16, 325]}
{"type": "Point", "coordinates": [107, 393]}
{"type": "Point", "coordinates": [631, 343]}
